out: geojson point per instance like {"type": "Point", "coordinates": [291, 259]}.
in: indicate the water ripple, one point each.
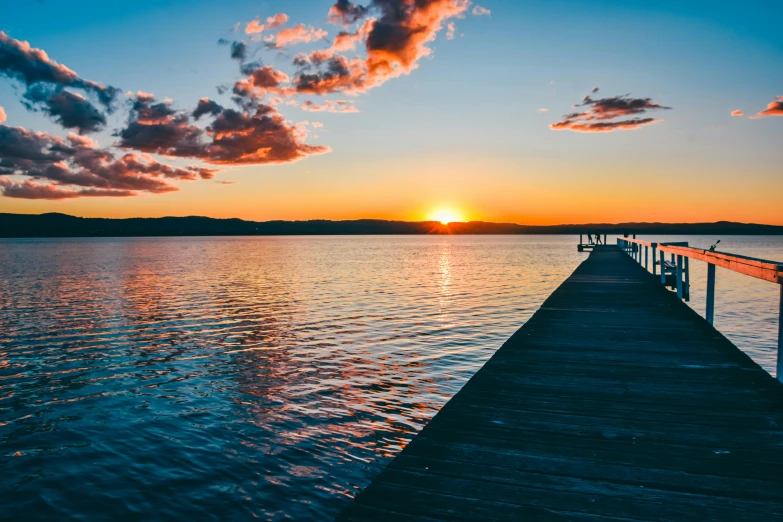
{"type": "Point", "coordinates": [166, 378]}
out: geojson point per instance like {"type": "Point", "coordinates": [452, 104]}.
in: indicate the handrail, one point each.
{"type": "Point", "coordinates": [763, 269]}
{"type": "Point", "coordinates": [750, 266]}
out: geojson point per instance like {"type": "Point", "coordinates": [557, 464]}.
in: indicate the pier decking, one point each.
{"type": "Point", "coordinates": [615, 401]}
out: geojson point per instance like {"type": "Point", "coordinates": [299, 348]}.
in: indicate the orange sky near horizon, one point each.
{"type": "Point", "coordinates": [412, 189]}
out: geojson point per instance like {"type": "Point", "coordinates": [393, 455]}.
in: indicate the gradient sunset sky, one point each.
{"type": "Point", "coordinates": [140, 109]}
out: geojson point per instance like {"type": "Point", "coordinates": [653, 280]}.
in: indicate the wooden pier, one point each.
{"type": "Point", "coordinates": [615, 401]}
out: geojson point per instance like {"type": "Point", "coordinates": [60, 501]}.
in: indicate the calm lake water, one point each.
{"type": "Point", "coordinates": [188, 378]}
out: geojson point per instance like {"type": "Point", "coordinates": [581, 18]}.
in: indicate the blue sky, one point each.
{"type": "Point", "coordinates": [462, 130]}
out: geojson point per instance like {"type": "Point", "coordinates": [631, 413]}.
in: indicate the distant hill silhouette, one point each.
{"type": "Point", "coordinates": [63, 225]}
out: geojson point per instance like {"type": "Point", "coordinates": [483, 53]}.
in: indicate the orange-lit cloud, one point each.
{"type": "Point", "coordinates": [258, 134]}
{"type": "Point", "coordinates": [339, 75]}
{"type": "Point", "coordinates": [395, 42]}
{"type": "Point", "coordinates": [774, 108]}
{"type": "Point", "coordinates": [737, 112]}
{"type": "Point", "coordinates": [329, 106]}
{"type": "Point", "coordinates": [599, 113]}
{"type": "Point", "coordinates": [76, 166]}
{"type": "Point", "coordinates": [2, 115]}
{"type": "Point", "coordinates": [273, 22]}
{"type": "Point", "coordinates": [262, 81]}
{"type": "Point", "coordinates": [296, 35]}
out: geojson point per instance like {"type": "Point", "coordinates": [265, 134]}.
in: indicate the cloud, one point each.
{"type": "Point", "coordinates": [346, 13]}
{"type": "Point", "coordinates": [295, 35]}
{"type": "Point", "coordinates": [206, 106]}
{"type": "Point", "coordinates": [239, 51]}
{"type": "Point", "coordinates": [69, 109]}
{"type": "Point", "coordinates": [737, 113]}
{"type": "Point", "coordinates": [30, 66]}
{"type": "Point", "coordinates": [481, 11]}
{"type": "Point", "coordinates": [26, 189]}
{"type": "Point", "coordinates": [774, 108]}
{"type": "Point", "coordinates": [156, 127]}
{"type": "Point", "coordinates": [273, 22]}
{"type": "Point", "coordinates": [450, 29]}
{"type": "Point", "coordinates": [262, 81]}
{"type": "Point", "coordinates": [597, 116]}
{"type": "Point", "coordinates": [341, 106]}
{"type": "Point", "coordinates": [603, 126]}
{"type": "Point", "coordinates": [339, 75]}
{"type": "Point", "coordinates": [76, 166]}
{"type": "Point", "coordinates": [227, 182]}
{"type": "Point", "coordinates": [543, 109]}
{"type": "Point", "coordinates": [2, 115]}
{"type": "Point", "coordinates": [257, 135]}
{"type": "Point", "coordinates": [395, 42]}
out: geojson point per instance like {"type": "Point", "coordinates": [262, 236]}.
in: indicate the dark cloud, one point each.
{"type": "Point", "coordinates": [156, 127]}
{"type": "Point", "coordinates": [262, 137]}
{"type": "Point", "coordinates": [30, 66]}
{"type": "Point", "coordinates": [71, 110]}
{"type": "Point", "coordinates": [339, 75]}
{"type": "Point", "coordinates": [346, 12]}
{"type": "Point", "coordinates": [256, 135]}
{"type": "Point", "coordinates": [601, 114]}
{"type": "Point", "coordinates": [239, 51]}
{"type": "Point", "coordinates": [75, 166]}
{"type": "Point", "coordinates": [206, 106]}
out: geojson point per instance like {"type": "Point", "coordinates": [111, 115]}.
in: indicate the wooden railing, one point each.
{"type": "Point", "coordinates": [678, 268]}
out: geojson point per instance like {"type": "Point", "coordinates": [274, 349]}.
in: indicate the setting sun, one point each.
{"type": "Point", "coordinates": [446, 216]}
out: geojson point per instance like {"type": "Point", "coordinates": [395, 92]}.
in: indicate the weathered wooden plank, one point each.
{"type": "Point", "coordinates": [615, 401]}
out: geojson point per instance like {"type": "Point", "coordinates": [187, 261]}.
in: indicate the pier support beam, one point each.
{"type": "Point", "coordinates": [654, 261]}
{"type": "Point", "coordinates": [710, 308]}
{"type": "Point", "coordinates": [679, 276]}
{"type": "Point", "coordinates": [663, 267]}
{"type": "Point", "coordinates": [779, 372]}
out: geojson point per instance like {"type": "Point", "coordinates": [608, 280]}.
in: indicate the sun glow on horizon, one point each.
{"type": "Point", "coordinates": [446, 216]}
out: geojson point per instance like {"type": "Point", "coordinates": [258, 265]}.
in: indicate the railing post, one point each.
{"type": "Point", "coordinates": [663, 267]}
{"type": "Point", "coordinates": [646, 258]}
{"type": "Point", "coordinates": [679, 276]}
{"type": "Point", "coordinates": [687, 285]}
{"type": "Point", "coordinates": [779, 373]}
{"type": "Point", "coordinates": [653, 257]}
{"type": "Point", "coordinates": [710, 293]}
